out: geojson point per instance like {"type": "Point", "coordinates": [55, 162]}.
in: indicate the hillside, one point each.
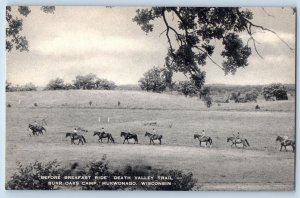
{"type": "Point", "coordinates": [131, 100]}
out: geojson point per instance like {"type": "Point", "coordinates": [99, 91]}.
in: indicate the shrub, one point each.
{"type": "Point", "coordinates": [187, 88]}
{"type": "Point", "coordinates": [56, 84]}
{"type": "Point", "coordinates": [8, 105]}
{"type": "Point", "coordinates": [28, 177]}
{"type": "Point", "coordinates": [275, 90]}
{"type": "Point", "coordinates": [26, 87]}
{"type": "Point", "coordinates": [35, 104]}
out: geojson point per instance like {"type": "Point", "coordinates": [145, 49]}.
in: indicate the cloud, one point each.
{"type": "Point", "coordinates": [269, 37]}
{"type": "Point", "coordinates": [81, 42]}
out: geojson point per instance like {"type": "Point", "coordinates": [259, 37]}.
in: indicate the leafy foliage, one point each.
{"type": "Point", "coordinates": [14, 26]}
{"type": "Point", "coordinates": [187, 88]}
{"type": "Point", "coordinates": [196, 30]}
{"type": "Point", "coordinates": [56, 84]}
{"type": "Point", "coordinates": [275, 90]}
{"type": "Point", "coordinates": [91, 81]}
{"type": "Point", "coordinates": [153, 81]}
{"type": "Point", "coordinates": [28, 177]}
{"type": "Point", "coordinates": [27, 87]}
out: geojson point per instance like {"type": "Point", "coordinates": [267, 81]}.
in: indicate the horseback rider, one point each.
{"type": "Point", "coordinates": [285, 138]}
{"type": "Point", "coordinates": [129, 132]}
{"type": "Point", "coordinates": [237, 137]}
{"type": "Point", "coordinates": [35, 124]}
{"type": "Point", "coordinates": [203, 134]}
{"type": "Point", "coordinates": [102, 130]}
{"type": "Point", "coordinates": [75, 131]}
{"type": "Point", "coordinates": [154, 132]}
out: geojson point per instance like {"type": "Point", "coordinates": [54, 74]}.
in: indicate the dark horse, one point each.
{"type": "Point", "coordinates": [286, 143]}
{"type": "Point", "coordinates": [236, 141]}
{"type": "Point", "coordinates": [129, 136]}
{"type": "Point", "coordinates": [203, 139]}
{"type": "Point", "coordinates": [153, 137]}
{"type": "Point", "coordinates": [104, 135]}
{"type": "Point", "coordinates": [75, 136]}
{"type": "Point", "coordinates": [36, 130]}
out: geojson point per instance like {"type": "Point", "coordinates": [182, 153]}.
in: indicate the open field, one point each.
{"type": "Point", "coordinates": [259, 167]}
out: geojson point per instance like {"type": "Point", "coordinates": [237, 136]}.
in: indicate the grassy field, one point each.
{"type": "Point", "coordinates": [259, 167]}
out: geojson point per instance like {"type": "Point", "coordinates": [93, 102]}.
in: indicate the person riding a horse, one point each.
{"type": "Point", "coordinates": [154, 133]}
{"type": "Point", "coordinates": [237, 137]}
{"type": "Point", "coordinates": [129, 132]}
{"type": "Point", "coordinates": [75, 131]}
{"type": "Point", "coordinates": [285, 138]}
{"type": "Point", "coordinates": [203, 134]}
{"type": "Point", "coordinates": [35, 123]}
{"type": "Point", "coordinates": [102, 130]}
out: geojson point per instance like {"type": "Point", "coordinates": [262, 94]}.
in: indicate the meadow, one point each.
{"type": "Point", "coordinates": [258, 167]}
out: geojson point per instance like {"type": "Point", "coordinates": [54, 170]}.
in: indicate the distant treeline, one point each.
{"type": "Point", "coordinates": [89, 81]}
{"type": "Point", "coordinates": [9, 87]}
{"type": "Point", "coordinates": [217, 89]}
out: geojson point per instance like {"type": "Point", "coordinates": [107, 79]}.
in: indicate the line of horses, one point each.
{"type": "Point", "coordinates": [39, 130]}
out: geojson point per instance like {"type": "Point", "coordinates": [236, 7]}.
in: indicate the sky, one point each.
{"type": "Point", "coordinates": [105, 41]}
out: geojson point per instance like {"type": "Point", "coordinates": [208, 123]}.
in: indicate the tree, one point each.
{"type": "Point", "coordinates": [153, 81]}
{"type": "Point", "coordinates": [187, 88]}
{"type": "Point", "coordinates": [235, 96]}
{"type": "Point", "coordinates": [69, 86]}
{"type": "Point", "coordinates": [275, 90]}
{"type": "Point", "coordinates": [197, 30]}
{"type": "Point", "coordinates": [8, 86]}
{"type": "Point", "coordinates": [56, 84]}
{"type": "Point", "coordinates": [167, 74]}
{"type": "Point", "coordinates": [85, 82]}
{"type": "Point", "coordinates": [251, 95]}
{"type": "Point", "coordinates": [205, 91]}
{"type": "Point", "coordinates": [104, 84]}
{"type": "Point", "coordinates": [14, 38]}
{"type": "Point", "coordinates": [91, 81]}
{"type": "Point", "coordinates": [29, 87]}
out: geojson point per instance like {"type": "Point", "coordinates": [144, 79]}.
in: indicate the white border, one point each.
{"type": "Point", "coordinates": [127, 194]}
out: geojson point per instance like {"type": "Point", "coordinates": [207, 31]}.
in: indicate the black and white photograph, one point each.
{"type": "Point", "coordinates": [114, 98]}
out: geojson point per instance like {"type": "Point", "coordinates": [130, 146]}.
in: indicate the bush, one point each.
{"type": "Point", "coordinates": [187, 88]}
{"type": "Point", "coordinates": [8, 105]}
{"type": "Point", "coordinates": [56, 84]}
{"type": "Point", "coordinates": [26, 87]}
{"type": "Point", "coordinates": [249, 96]}
{"type": "Point", "coordinates": [28, 177]}
{"type": "Point", "coordinates": [275, 90]}
{"type": "Point", "coordinates": [35, 104]}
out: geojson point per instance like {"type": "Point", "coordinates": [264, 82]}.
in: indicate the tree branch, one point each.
{"type": "Point", "coordinates": [249, 29]}
{"type": "Point", "coordinates": [212, 60]}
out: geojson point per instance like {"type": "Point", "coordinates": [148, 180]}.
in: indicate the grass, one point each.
{"type": "Point", "coordinates": [261, 165]}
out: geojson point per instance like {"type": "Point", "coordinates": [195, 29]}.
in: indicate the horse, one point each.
{"type": "Point", "coordinates": [203, 139]}
{"type": "Point", "coordinates": [286, 143]}
{"type": "Point", "coordinates": [36, 130]}
{"type": "Point", "coordinates": [235, 142]}
{"type": "Point", "coordinates": [129, 136]}
{"type": "Point", "coordinates": [104, 135]}
{"type": "Point", "coordinates": [153, 137]}
{"type": "Point", "coordinates": [75, 136]}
